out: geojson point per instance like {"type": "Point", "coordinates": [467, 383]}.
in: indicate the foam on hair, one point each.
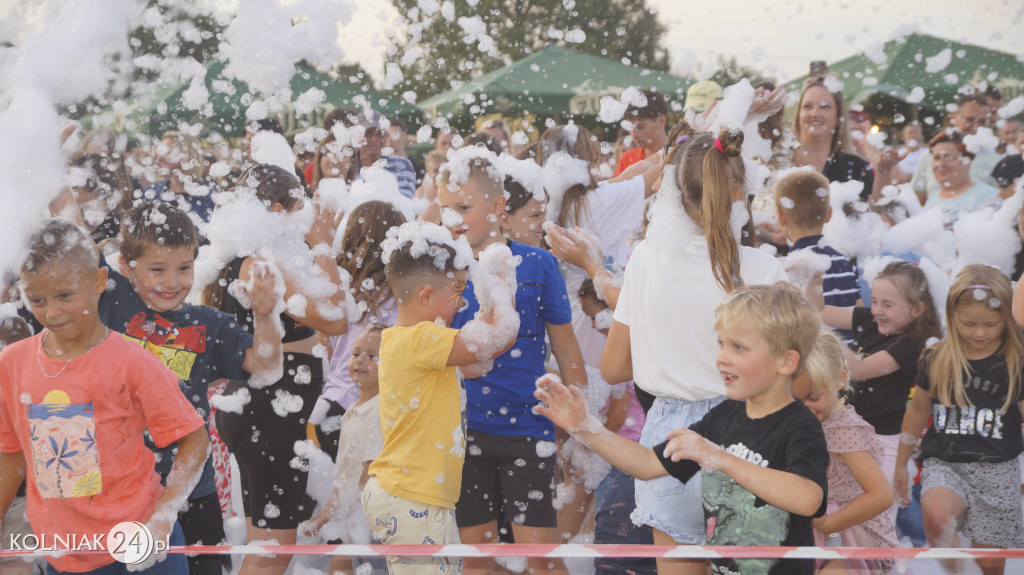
{"type": "Point", "coordinates": [417, 251]}
{"type": "Point", "coordinates": [60, 242]}
{"type": "Point", "coordinates": [804, 197]}
{"type": "Point", "coordinates": [156, 224]}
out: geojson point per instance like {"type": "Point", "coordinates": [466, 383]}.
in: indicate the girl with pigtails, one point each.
{"type": "Point", "coordinates": [970, 385]}
{"type": "Point", "coordinates": [662, 336]}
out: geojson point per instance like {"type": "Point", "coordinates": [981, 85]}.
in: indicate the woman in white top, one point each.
{"type": "Point", "coordinates": [663, 334]}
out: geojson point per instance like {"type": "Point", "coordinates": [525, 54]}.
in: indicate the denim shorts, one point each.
{"type": "Point", "coordinates": [665, 503]}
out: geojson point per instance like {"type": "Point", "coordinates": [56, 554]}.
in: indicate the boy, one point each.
{"type": "Point", "coordinates": [761, 453]}
{"type": "Point", "coordinates": [416, 480]}
{"type": "Point", "coordinates": [78, 402]}
{"type": "Point", "coordinates": [504, 433]}
{"type": "Point", "coordinates": [802, 201]}
{"type": "Point", "coordinates": [647, 128]}
{"type": "Point", "coordinates": [198, 343]}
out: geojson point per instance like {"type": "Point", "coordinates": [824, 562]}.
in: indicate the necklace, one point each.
{"type": "Point", "coordinates": [39, 354]}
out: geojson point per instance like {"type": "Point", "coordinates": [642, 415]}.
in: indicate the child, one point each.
{"type": "Point", "coordinates": [858, 492]}
{"type": "Point", "coordinates": [503, 432]}
{"type": "Point", "coordinates": [888, 339]}
{"type": "Point", "coordinates": [198, 343]}
{"type": "Point", "coordinates": [801, 199]}
{"type": "Point", "coordinates": [970, 386]}
{"type": "Point", "coordinates": [768, 478]}
{"type": "Point", "coordinates": [524, 216]}
{"type": "Point", "coordinates": [76, 402]}
{"type": "Point", "coordinates": [418, 474]}
{"type": "Point", "coordinates": [14, 522]}
{"type": "Point", "coordinates": [361, 442]}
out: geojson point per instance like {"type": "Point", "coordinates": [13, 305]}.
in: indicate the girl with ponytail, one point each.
{"type": "Point", "coordinates": [663, 334]}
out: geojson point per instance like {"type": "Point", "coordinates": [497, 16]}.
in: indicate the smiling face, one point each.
{"type": "Point", "coordinates": [526, 224]}
{"type": "Point", "coordinates": [980, 327]}
{"type": "Point", "coordinates": [467, 212]}
{"type": "Point", "coordinates": [892, 311]}
{"type": "Point", "coordinates": [162, 276]}
{"type": "Point", "coordinates": [821, 402]}
{"type": "Point", "coordinates": [969, 117]}
{"type": "Point", "coordinates": [819, 117]}
{"type": "Point", "coordinates": [951, 168]}
{"type": "Point", "coordinates": [336, 160]}
{"type": "Point", "coordinates": [65, 300]}
{"type": "Point", "coordinates": [362, 366]}
{"type": "Point", "coordinates": [744, 361]}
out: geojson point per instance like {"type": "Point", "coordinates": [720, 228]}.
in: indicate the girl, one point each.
{"type": "Point", "coordinates": [970, 385]}
{"type": "Point", "coordinates": [889, 337]}
{"type": "Point", "coordinates": [524, 215]}
{"type": "Point", "coordinates": [688, 261]}
{"type": "Point", "coordinates": [362, 444]}
{"type": "Point", "coordinates": [858, 492]}
{"type": "Point", "coordinates": [333, 160]}
{"type": "Point", "coordinates": [179, 160]}
{"type": "Point", "coordinates": [274, 492]}
{"type": "Point", "coordinates": [367, 226]}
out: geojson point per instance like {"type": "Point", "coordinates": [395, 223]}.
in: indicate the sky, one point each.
{"type": "Point", "coordinates": [778, 36]}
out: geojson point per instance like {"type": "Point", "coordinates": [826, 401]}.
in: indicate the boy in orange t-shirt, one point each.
{"type": "Point", "coordinates": [74, 405]}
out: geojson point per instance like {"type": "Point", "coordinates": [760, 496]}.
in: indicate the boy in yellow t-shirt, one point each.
{"type": "Point", "coordinates": [416, 480]}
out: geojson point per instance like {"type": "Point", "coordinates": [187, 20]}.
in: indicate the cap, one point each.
{"type": "Point", "coordinates": [371, 119]}
{"type": "Point", "coordinates": [1008, 169]}
{"type": "Point", "coordinates": [701, 95]}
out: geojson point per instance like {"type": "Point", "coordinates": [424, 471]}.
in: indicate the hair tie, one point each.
{"type": "Point", "coordinates": [979, 286]}
{"type": "Point", "coordinates": [718, 144]}
{"type": "Point", "coordinates": [682, 138]}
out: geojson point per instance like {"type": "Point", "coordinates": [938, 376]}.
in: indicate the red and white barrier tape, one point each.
{"type": "Point", "coordinates": [565, 551]}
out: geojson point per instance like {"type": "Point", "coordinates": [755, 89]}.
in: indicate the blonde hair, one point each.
{"type": "Point", "coordinates": [947, 365]}
{"type": "Point", "coordinates": [582, 144]}
{"type": "Point", "coordinates": [481, 171]}
{"type": "Point", "coordinates": [808, 206]}
{"type": "Point", "coordinates": [826, 364]}
{"type": "Point", "coordinates": [707, 178]}
{"type": "Point", "coordinates": [841, 137]}
{"type": "Point", "coordinates": [192, 164]}
{"type": "Point", "coordinates": [779, 313]}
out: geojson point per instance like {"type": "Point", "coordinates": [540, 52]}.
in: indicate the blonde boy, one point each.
{"type": "Point", "coordinates": [761, 453]}
{"type": "Point", "coordinates": [416, 480]}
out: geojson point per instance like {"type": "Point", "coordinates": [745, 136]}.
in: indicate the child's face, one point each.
{"type": "Point", "coordinates": [595, 310]}
{"type": "Point", "coordinates": [821, 404]}
{"type": "Point", "coordinates": [468, 213]}
{"type": "Point", "coordinates": [744, 361]}
{"type": "Point", "coordinates": [980, 327]}
{"type": "Point", "coordinates": [446, 300]}
{"type": "Point", "coordinates": [892, 311]}
{"type": "Point", "coordinates": [65, 301]}
{"type": "Point", "coordinates": [362, 367]}
{"type": "Point", "coordinates": [162, 276]}
{"type": "Point", "coordinates": [525, 224]}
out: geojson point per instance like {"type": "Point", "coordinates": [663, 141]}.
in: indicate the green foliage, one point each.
{"type": "Point", "coordinates": [728, 71]}
{"type": "Point", "coordinates": [436, 57]}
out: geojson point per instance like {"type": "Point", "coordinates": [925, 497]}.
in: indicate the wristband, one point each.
{"type": "Point", "coordinates": [908, 439]}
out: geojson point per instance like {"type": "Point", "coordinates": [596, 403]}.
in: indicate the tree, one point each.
{"type": "Point", "coordinates": [445, 48]}
{"type": "Point", "coordinates": [728, 71]}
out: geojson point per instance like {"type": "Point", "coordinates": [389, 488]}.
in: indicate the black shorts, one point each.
{"type": "Point", "coordinates": [507, 471]}
{"type": "Point", "coordinates": [273, 477]}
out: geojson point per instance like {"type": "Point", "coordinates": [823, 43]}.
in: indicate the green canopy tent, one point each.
{"type": "Point", "coordinates": [556, 81]}
{"type": "Point", "coordinates": [915, 72]}
{"type": "Point", "coordinates": [166, 106]}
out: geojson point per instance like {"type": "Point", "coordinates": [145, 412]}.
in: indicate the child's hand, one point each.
{"type": "Point", "coordinates": [325, 224]}
{"type": "Point", "coordinates": [901, 486]}
{"type": "Point", "coordinates": [160, 525]}
{"type": "Point", "coordinates": [577, 247]}
{"type": "Point", "coordinates": [686, 444]}
{"type": "Point", "coordinates": [565, 407]}
{"type": "Point", "coordinates": [311, 528]}
{"type": "Point", "coordinates": [262, 289]}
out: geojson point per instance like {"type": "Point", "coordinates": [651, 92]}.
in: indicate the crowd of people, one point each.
{"type": "Point", "coordinates": [659, 340]}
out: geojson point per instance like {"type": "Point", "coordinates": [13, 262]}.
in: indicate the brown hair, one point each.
{"type": "Point", "coordinates": [654, 107]}
{"type": "Point", "coordinates": [841, 137]}
{"type": "Point", "coordinates": [912, 284]}
{"type": "Point", "coordinates": [106, 176]}
{"type": "Point", "coordinates": [584, 147]}
{"type": "Point", "coordinates": [406, 273]}
{"type": "Point", "coordinates": [192, 166]}
{"type": "Point", "coordinates": [481, 171]}
{"type": "Point", "coordinates": [151, 224]}
{"type": "Point", "coordinates": [360, 255]}
{"type": "Point", "coordinates": [707, 178]}
{"type": "Point", "coordinates": [950, 137]}
{"type": "Point", "coordinates": [59, 240]}
{"type": "Point", "coordinates": [807, 192]}
{"type": "Point", "coordinates": [947, 365]}
{"type": "Point", "coordinates": [322, 149]}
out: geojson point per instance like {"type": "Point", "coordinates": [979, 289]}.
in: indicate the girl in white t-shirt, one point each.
{"type": "Point", "coordinates": [662, 335]}
{"type": "Point", "coordinates": [570, 156]}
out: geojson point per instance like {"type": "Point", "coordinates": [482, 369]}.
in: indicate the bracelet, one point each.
{"type": "Point", "coordinates": [908, 439]}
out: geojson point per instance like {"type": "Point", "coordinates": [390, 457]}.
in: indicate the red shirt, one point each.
{"type": "Point", "coordinates": [629, 158]}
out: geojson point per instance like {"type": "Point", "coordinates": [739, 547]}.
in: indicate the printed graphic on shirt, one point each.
{"type": "Point", "coordinates": [954, 420]}
{"type": "Point", "coordinates": [176, 346]}
{"type": "Point", "coordinates": [732, 518]}
{"type": "Point", "coordinates": [64, 455]}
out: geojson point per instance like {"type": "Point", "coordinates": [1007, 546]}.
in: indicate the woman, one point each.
{"type": "Point", "coordinates": [179, 160]}
{"type": "Point", "coordinates": [333, 160]}
{"type": "Point", "coordinates": [951, 164]}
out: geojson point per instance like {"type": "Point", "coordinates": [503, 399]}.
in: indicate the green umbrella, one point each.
{"type": "Point", "coordinates": [912, 71]}
{"type": "Point", "coordinates": [554, 81]}
{"type": "Point", "coordinates": [163, 108]}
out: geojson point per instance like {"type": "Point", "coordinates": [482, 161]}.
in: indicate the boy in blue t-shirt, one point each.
{"type": "Point", "coordinates": [510, 456]}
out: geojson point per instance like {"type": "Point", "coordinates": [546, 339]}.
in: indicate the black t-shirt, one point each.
{"type": "Point", "coordinates": [980, 432]}
{"type": "Point", "coordinates": [789, 440]}
{"type": "Point", "coordinates": [882, 401]}
{"type": "Point", "coordinates": [843, 167]}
